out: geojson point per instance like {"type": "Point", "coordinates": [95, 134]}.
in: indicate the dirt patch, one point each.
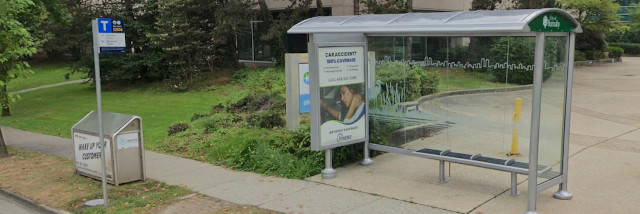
{"type": "Point", "coordinates": [199, 204]}
{"type": "Point", "coordinates": [52, 181]}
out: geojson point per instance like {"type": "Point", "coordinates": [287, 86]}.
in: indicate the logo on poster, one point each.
{"type": "Point", "coordinates": [306, 78]}
{"type": "Point", "coordinates": [342, 137]}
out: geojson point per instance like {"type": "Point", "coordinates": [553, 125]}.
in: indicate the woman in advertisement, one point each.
{"type": "Point", "coordinates": [351, 96]}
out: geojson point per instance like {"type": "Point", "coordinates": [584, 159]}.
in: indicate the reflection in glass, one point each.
{"type": "Point", "coordinates": [461, 94]}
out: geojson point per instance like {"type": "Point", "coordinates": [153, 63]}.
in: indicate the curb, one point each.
{"type": "Point", "coordinates": [41, 208]}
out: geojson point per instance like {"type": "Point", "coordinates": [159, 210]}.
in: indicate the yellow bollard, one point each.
{"type": "Point", "coordinates": [517, 108]}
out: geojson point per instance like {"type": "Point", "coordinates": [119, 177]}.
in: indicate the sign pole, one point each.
{"type": "Point", "coordinates": [102, 143]}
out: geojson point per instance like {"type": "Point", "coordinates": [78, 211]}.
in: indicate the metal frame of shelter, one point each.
{"type": "Point", "coordinates": [335, 31]}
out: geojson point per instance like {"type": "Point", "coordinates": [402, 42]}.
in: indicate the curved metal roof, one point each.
{"type": "Point", "coordinates": [485, 21]}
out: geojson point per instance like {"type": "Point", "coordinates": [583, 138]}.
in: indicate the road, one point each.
{"type": "Point", "coordinates": [10, 206]}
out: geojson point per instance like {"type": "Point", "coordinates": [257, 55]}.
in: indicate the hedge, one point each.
{"type": "Point", "coordinates": [615, 52]}
{"type": "Point", "coordinates": [629, 48]}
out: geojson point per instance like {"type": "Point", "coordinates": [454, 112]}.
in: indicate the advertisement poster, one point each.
{"type": "Point", "coordinates": [342, 95]}
{"type": "Point", "coordinates": [87, 152]}
{"type": "Point", "coordinates": [305, 98]}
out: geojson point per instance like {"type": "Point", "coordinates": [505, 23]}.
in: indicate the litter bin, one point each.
{"type": "Point", "coordinates": [124, 147]}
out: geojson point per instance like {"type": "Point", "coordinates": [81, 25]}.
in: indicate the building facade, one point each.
{"type": "Point", "coordinates": [252, 49]}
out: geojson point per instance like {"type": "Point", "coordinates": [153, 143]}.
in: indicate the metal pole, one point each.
{"type": "Point", "coordinates": [562, 192]}
{"type": "Point", "coordinates": [328, 172]}
{"type": "Point", "coordinates": [253, 50]}
{"type": "Point", "coordinates": [96, 59]}
{"type": "Point", "coordinates": [535, 124]}
{"type": "Point", "coordinates": [367, 159]}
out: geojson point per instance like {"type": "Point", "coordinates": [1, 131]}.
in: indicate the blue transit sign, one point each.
{"type": "Point", "coordinates": [111, 37]}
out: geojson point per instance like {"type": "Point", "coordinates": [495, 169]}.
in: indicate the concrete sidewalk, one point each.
{"type": "Point", "coordinates": [604, 167]}
{"type": "Point", "coordinates": [278, 194]}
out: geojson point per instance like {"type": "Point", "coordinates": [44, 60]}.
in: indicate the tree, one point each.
{"type": "Point", "coordinates": [230, 17]}
{"type": "Point", "coordinates": [385, 6]}
{"type": "Point", "coordinates": [596, 18]}
{"type": "Point", "coordinates": [3, 146]}
{"type": "Point", "coordinates": [484, 4]}
{"type": "Point", "coordinates": [15, 44]}
{"type": "Point", "coordinates": [534, 4]}
{"type": "Point", "coordinates": [297, 11]}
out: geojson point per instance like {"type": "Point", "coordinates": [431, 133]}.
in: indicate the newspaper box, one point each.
{"type": "Point", "coordinates": [124, 147]}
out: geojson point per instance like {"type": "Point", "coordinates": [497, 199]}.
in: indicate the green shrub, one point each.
{"type": "Point", "coordinates": [629, 48]}
{"type": "Point", "coordinates": [615, 52]}
{"type": "Point", "coordinates": [413, 82]}
{"type": "Point", "coordinates": [266, 119]}
{"type": "Point", "coordinates": [197, 116]}
{"type": "Point", "coordinates": [220, 121]}
{"type": "Point", "coordinates": [262, 80]}
{"type": "Point", "coordinates": [521, 52]}
{"type": "Point", "coordinates": [258, 102]}
{"type": "Point", "coordinates": [429, 82]}
{"type": "Point", "coordinates": [177, 128]}
{"type": "Point", "coordinates": [579, 56]}
{"type": "Point", "coordinates": [594, 55]}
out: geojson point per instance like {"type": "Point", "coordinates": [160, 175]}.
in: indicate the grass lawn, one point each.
{"type": "Point", "coordinates": [455, 80]}
{"type": "Point", "coordinates": [55, 110]}
{"type": "Point", "coordinates": [44, 73]}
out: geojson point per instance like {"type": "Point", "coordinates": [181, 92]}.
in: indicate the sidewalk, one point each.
{"type": "Point", "coordinates": [278, 194]}
{"type": "Point", "coordinates": [604, 167]}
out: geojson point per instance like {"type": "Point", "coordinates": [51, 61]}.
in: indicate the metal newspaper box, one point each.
{"type": "Point", "coordinates": [124, 147]}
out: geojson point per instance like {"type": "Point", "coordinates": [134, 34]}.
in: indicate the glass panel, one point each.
{"type": "Point", "coordinates": [552, 107]}
{"type": "Point", "coordinates": [244, 44]}
{"type": "Point", "coordinates": [456, 94]}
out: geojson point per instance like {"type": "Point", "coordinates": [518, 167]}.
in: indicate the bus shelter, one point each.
{"type": "Point", "coordinates": [490, 89]}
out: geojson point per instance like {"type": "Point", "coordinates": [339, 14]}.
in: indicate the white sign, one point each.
{"type": "Point", "coordinates": [343, 95]}
{"type": "Point", "coordinates": [126, 141]}
{"type": "Point", "coordinates": [88, 155]}
{"type": "Point", "coordinates": [341, 65]}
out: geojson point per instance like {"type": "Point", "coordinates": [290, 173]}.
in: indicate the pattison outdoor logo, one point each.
{"type": "Point", "coordinates": [551, 21]}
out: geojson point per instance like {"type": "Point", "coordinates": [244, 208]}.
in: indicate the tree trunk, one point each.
{"type": "Point", "coordinates": [3, 146]}
{"type": "Point", "coordinates": [4, 100]}
{"type": "Point", "coordinates": [408, 41]}
{"type": "Point", "coordinates": [356, 7]}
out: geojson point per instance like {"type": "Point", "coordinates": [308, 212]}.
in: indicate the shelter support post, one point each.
{"type": "Point", "coordinates": [366, 161]}
{"type": "Point", "coordinates": [514, 184]}
{"type": "Point", "coordinates": [441, 175]}
{"type": "Point", "coordinates": [535, 124]}
{"type": "Point", "coordinates": [562, 192]}
{"type": "Point", "coordinates": [328, 172]}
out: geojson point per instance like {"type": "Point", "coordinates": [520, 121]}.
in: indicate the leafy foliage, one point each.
{"type": "Point", "coordinates": [615, 52]}
{"type": "Point", "coordinates": [484, 4]}
{"type": "Point", "coordinates": [519, 51]}
{"type": "Point", "coordinates": [384, 6]}
{"type": "Point", "coordinates": [534, 4]}
{"type": "Point", "coordinates": [16, 44]}
{"type": "Point", "coordinates": [596, 18]}
{"type": "Point", "coordinates": [629, 48]}
{"type": "Point", "coordinates": [411, 82]}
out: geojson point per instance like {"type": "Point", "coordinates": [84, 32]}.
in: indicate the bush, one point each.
{"type": "Point", "coordinates": [258, 102]}
{"type": "Point", "coordinates": [629, 48]}
{"type": "Point", "coordinates": [197, 116]}
{"type": "Point", "coordinates": [594, 55]}
{"type": "Point", "coordinates": [220, 121]}
{"type": "Point", "coordinates": [413, 82]}
{"type": "Point", "coordinates": [262, 80]}
{"type": "Point", "coordinates": [521, 52]}
{"type": "Point", "coordinates": [177, 128]}
{"type": "Point", "coordinates": [579, 56]}
{"type": "Point", "coordinates": [615, 52]}
{"type": "Point", "coordinates": [266, 119]}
